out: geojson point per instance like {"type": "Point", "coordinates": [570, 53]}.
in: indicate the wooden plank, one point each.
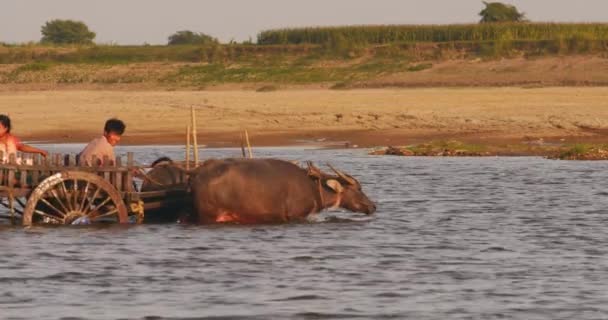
{"type": "Point", "coordinates": [11, 178]}
{"type": "Point", "coordinates": [58, 158]}
{"type": "Point", "coordinates": [130, 161]}
{"type": "Point", "coordinates": [173, 192]}
{"type": "Point", "coordinates": [118, 181]}
{"type": "Point", "coordinates": [105, 164]}
{"type": "Point", "coordinates": [125, 180]}
{"type": "Point", "coordinates": [118, 176]}
{"type": "Point", "coordinates": [35, 173]}
{"type": "Point", "coordinates": [129, 174]}
{"type": "Point", "coordinates": [57, 168]}
{"type": "Point", "coordinates": [47, 163]}
{"type": "Point", "coordinates": [11, 172]}
{"type": "Point", "coordinates": [23, 177]}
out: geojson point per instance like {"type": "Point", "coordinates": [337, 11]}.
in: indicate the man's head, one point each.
{"type": "Point", "coordinates": [5, 124]}
{"type": "Point", "coordinates": [113, 130]}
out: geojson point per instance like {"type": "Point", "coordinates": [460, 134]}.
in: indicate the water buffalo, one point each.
{"type": "Point", "coordinates": [163, 173]}
{"type": "Point", "coordinates": [175, 207]}
{"type": "Point", "coordinates": [269, 191]}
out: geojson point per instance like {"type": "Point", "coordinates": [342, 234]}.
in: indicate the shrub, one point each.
{"type": "Point", "coordinates": [66, 32]}
{"type": "Point", "coordinates": [189, 37]}
{"type": "Point", "coordinates": [500, 12]}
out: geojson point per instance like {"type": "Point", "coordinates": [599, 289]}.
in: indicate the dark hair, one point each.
{"type": "Point", "coordinates": [114, 125]}
{"type": "Point", "coordinates": [6, 122]}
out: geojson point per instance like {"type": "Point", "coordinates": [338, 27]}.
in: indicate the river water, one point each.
{"type": "Point", "coordinates": [453, 238]}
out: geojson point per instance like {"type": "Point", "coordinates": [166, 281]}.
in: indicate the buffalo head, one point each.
{"type": "Point", "coordinates": [341, 190]}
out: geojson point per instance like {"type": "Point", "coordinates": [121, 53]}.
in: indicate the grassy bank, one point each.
{"type": "Point", "coordinates": [454, 148]}
{"type": "Point", "coordinates": [340, 58]}
{"type": "Point", "coordinates": [301, 54]}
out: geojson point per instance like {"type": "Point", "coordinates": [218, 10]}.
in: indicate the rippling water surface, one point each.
{"type": "Point", "coordinates": [453, 238]}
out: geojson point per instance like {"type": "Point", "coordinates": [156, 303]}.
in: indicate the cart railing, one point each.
{"type": "Point", "coordinates": [57, 187]}
{"type": "Point", "coordinates": [26, 171]}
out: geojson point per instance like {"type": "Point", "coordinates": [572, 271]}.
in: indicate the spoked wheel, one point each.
{"type": "Point", "coordinates": [74, 197]}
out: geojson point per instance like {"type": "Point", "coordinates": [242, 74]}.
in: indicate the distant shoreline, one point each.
{"type": "Point", "coordinates": [506, 119]}
{"type": "Point", "coordinates": [496, 146]}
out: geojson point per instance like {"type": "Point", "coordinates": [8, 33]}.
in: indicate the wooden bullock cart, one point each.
{"type": "Point", "coordinates": [56, 190]}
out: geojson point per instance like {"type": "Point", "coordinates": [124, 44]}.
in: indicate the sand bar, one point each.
{"type": "Point", "coordinates": [365, 117]}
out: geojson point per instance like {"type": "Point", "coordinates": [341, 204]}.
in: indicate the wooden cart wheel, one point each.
{"type": "Point", "coordinates": [74, 197]}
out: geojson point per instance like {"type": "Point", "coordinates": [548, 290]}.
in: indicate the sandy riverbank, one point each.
{"type": "Point", "coordinates": [360, 117]}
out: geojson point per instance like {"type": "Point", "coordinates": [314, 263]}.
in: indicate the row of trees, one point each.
{"type": "Point", "coordinates": [76, 32]}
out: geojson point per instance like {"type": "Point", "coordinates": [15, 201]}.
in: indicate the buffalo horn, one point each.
{"type": "Point", "coordinates": [342, 175]}
{"type": "Point", "coordinates": [313, 171]}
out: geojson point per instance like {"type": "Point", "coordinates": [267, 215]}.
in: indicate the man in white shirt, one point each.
{"type": "Point", "coordinates": [104, 145]}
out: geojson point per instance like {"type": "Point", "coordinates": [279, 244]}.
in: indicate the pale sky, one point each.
{"type": "Point", "coordinates": [152, 21]}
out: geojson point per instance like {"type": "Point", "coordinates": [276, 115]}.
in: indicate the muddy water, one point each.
{"type": "Point", "coordinates": [459, 238]}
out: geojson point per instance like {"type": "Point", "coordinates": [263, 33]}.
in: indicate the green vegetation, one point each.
{"type": "Point", "coordinates": [110, 54]}
{"type": "Point", "coordinates": [582, 151]}
{"type": "Point", "coordinates": [33, 67]}
{"type": "Point", "coordinates": [412, 43]}
{"type": "Point", "coordinates": [450, 146]}
{"type": "Point", "coordinates": [442, 148]}
{"type": "Point", "coordinates": [500, 12]}
{"type": "Point", "coordinates": [342, 57]}
{"type": "Point", "coordinates": [66, 32]}
{"type": "Point", "coordinates": [578, 149]}
{"type": "Point", "coordinates": [192, 38]}
{"type": "Point", "coordinates": [192, 65]}
{"type": "Point", "coordinates": [375, 35]}
{"type": "Point", "coordinates": [280, 71]}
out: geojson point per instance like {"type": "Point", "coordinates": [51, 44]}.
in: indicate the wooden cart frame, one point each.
{"type": "Point", "coordinates": [56, 190]}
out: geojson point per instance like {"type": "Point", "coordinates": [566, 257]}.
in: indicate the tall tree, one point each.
{"type": "Point", "coordinates": [189, 37]}
{"type": "Point", "coordinates": [500, 12]}
{"type": "Point", "coordinates": [66, 32]}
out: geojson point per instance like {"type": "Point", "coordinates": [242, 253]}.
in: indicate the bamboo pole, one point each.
{"type": "Point", "coordinates": [248, 145]}
{"type": "Point", "coordinates": [243, 146]}
{"type": "Point", "coordinates": [195, 144]}
{"type": "Point", "coordinates": [187, 147]}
